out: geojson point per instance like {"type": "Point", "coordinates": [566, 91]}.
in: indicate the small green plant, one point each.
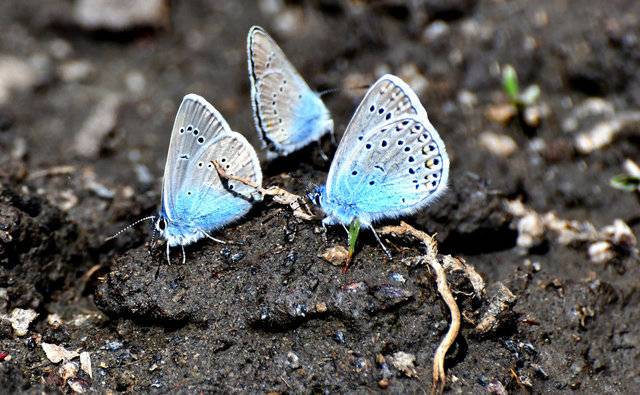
{"type": "Point", "coordinates": [625, 182]}
{"type": "Point", "coordinates": [511, 86]}
{"type": "Point", "coordinates": [629, 181]}
{"type": "Point", "coordinates": [354, 230]}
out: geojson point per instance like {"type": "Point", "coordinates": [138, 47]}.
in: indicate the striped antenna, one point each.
{"type": "Point", "coordinates": [129, 227]}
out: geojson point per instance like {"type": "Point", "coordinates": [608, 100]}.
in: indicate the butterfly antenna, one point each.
{"type": "Point", "coordinates": [351, 88]}
{"type": "Point", "coordinates": [129, 227]}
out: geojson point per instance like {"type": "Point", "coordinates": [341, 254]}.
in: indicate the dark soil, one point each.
{"type": "Point", "coordinates": [266, 313]}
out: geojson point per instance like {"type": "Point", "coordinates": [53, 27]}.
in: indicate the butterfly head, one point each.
{"type": "Point", "coordinates": [161, 225]}
{"type": "Point", "coordinates": [316, 195]}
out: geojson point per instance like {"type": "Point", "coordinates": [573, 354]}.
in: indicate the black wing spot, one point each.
{"type": "Point", "coordinates": [405, 123]}
{"type": "Point", "coordinates": [418, 127]}
{"type": "Point", "coordinates": [189, 128]}
{"type": "Point", "coordinates": [404, 200]}
{"type": "Point", "coordinates": [275, 95]}
{"type": "Point", "coordinates": [400, 142]}
{"type": "Point", "coordinates": [411, 171]}
{"type": "Point", "coordinates": [196, 132]}
{"type": "Point", "coordinates": [299, 96]}
{"type": "Point", "coordinates": [223, 160]}
{"type": "Point", "coordinates": [284, 82]}
{"type": "Point", "coordinates": [415, 181]}
{"type": "Point", "coordinates": [354, 173]}
{"type": "Point", "coordinates": [189, 193]}
{"type": "Point", "coordinates": [372, 108]}
{"type": "Point", "coordinates": [384, 143]}
{"type": "Point", "coordinates": [200, 164]}
{"type": "Point", "coordinates": [398, 128]}
{"type": "Point", "coordinates": [368, 146]}
{"type": "Point", "coordinates": [201, 139]}
{"type": "Point", "coordinates": [432, 147]}
{"type": "Point", "coordinates": [371, 182]}
{"type": "Point", "coordinates": [273, 103]}
{"type": "Point", "coordinates": [379, 168]}
{"type": "Point", "coordinates": [388, 116]}
{"type": "Point", "coordinates": [227, 166]}
{"type": "Point", "coordinates": [433, 183]}
{"type": "Point", "coordinates": [436, 161]}
{"type": "Point", "coordinates": [360, 138]}
{"type": "Point", "coordinates": [279, 120]}
{"type": "Point", "coordinates": [381, 110]}
{"type": "Point", "coordinates": [230, 186]}
{"type": "Point", "coordinates": [281, 89]}
{"type": "Point", "coordinates": [411, 159]}
{"type": "Point", "coordinates": [184, 156]}
{"type": "Point", "coordinates": [181, 130]}
{"type": "Point", "coordinates": [407, 149]}
{"type": "Point", "coordinates": [275, 112]}
{"type": "Point", "coordinates": [435, 175]}
{"type": "Point", "coordinates": [209, 165]}
{"type": "Point", "coordinates": [417, 186]}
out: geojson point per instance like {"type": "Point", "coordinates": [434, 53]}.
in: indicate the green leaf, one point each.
{"type": "Point", "coordinates": [354, 230]}
{"type": "Point", "coordinates": [625, 182]}
{"type": "Point", "coordinates": [510, 83]}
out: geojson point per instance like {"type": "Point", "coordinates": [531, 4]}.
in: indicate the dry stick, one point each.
{"type": "Point", "coordinates": [439, 375]}
{"type": "Point", "coordinates": [280, 196]}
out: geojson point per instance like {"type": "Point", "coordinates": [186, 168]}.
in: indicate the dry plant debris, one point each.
{"type": "Point", "coordinates": [279, 195]}
{"type": "Point", "coordinates": [604, 244]}
{"type": "Point", "coordinates": [439, 375]}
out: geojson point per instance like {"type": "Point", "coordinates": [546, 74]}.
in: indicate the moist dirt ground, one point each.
{"type": "Point", "coordinates": [86, 111]}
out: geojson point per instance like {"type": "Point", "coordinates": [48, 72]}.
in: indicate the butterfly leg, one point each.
{"type": "Point", "coordinates": [168, 254]}
{"type": "Point", "coordinates": [213, 238]}
{"type": "Point", "coordinates": [184, 256]}
{"type": "Point", "coordinates": [333, 138]}
{"type": "Point", "coordinates": [381, 243]}
{"type": "Point", "coordinates": [322, 154]}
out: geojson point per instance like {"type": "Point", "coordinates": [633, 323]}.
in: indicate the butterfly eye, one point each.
{"type": "Point", "coordinates": [162, 224]}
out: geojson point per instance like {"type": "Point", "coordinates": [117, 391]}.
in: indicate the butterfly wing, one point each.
{"type": "Point", "coordinates": [196, 126]}
{"type": "Point", "coordinates": [287, 113]}
{"type": "Point", "coordinates": [204, 201]}
{"type": "Point", "coordinates": [396, 169]}
{"type": "Point", "coordinates": [388, 98]}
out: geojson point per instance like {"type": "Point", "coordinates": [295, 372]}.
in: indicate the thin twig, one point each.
{"type": "Point", "coordinates": [279, 195]}
{"type": "Point", "coordinates": [439, 375]}
{"type": "Point", "coordinates": [52, 171]}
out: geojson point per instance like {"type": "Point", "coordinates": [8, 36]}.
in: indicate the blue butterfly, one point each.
{"type": "Point", "coordinates": [287, 113]}
{"type": "Point", "coordinates": [195, 201]}
{"type": "Point", "coordinates": [390, 163]}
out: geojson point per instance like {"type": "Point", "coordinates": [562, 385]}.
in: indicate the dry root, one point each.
{"type": "Point", "coordinates": [439, 375]}
{"type": "Point", "coordinates": [295, 202]}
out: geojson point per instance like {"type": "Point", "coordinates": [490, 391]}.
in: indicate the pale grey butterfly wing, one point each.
{"type": "Point", "coordinates": [206, 202]}
{"type": "Point", "coordinates": [287, 113]}
{"type": "Point", "coordinates": [196, 125]}
{"type": "Point", "coordinates": [389, 97]}
{"type": "Point", "coordinates": [394, 169]}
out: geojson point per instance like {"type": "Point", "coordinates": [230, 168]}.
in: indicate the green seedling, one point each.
{"type": "Point", "coordinates": [354, 230]}
{"type": "Point", "coordinates": [511, 87]}
{"type": "Point", "coordinates": [626, 182]}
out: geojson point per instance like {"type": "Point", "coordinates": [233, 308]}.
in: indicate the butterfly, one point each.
{"type": "Point", "coordinates": [288, 115]}
{"type": "Point", "coordinates": [391, 162]}
{"type": "Point", "coordinates": [195, 200]}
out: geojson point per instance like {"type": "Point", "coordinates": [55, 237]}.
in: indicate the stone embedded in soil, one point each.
{"type": "Point", "coordinates": [102, 121]}
{"type": "Point", "coordinates": [20, 320]}
{"type": "Point", "coordinates": [56, 353]}
{"type": "Point", "coordinates": [121, 15]}
{"type": "Point", "coordinates": [15, 75]}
